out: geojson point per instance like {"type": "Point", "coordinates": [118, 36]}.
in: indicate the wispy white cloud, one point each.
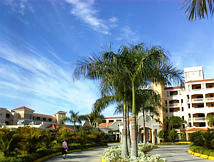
{"type": "Point", "coordinates": [19, 6]}
{"type": "Point", "coordinates": [39, 77]}
{"type": "Point", "coordinates": [85, 10]}
{"type": "Point", "coordinates": [127, 34]}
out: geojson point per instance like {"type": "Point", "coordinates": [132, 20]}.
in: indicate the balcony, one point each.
{"type": "Point", "coordinates": [174, 105]}
{"type": "Point", "coordinates": [197, 99]}
{"type": "Point", "coordinates": [198, 119]}
{"type": "Point", "coordinates": [209, 99]}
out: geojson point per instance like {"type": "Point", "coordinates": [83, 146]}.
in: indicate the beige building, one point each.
{"type": "Point", "coordinates": [193, 102]}
{"type": "Point", "coordinates": [26, 116]}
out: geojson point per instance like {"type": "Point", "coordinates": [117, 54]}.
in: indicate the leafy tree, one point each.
{"type": "Point", "coordinates": [173, 135]}
{"type": "Point", "coordinates": [175, 122]}
{"type": "Point", "coordinates": [132, 67]}
{"type": "Point", "coordinates": [198, 8]}
{"type": "Point", "coordinates": [163, 134]}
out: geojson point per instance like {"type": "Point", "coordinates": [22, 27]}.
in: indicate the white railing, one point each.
{"type": "Point", "coordinates": [199, 118]}
{"type": "Point", "coordinates": [174, 104]}
{"type": "Point", "coordinates": [197, 89]}
{"type": "Point", "coordinates": [197, 99]}
{"type": "Point", "coordinates": [210, 99]}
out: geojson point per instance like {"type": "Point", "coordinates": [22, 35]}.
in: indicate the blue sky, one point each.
{"type": "Point", "coordinates": [41, 41]}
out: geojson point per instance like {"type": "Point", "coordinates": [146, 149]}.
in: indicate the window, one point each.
{"type": "Point", "coordinates": [7, 115]}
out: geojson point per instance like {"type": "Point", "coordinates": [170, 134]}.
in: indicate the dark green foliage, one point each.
{"type": "Point", "coordinates": [9, 142]}
{"type": "Point", "coordinates": [173, 135]}
{"type": "Point", "coordinates": [183, 137]}
{"type": "Point", "coordinates": [202, 150]}
{"type": "Point", "coordinates": [163, 134]}
{"type": "Point", "coordinates": [205, 139]}
{"type": "Point", "coordinates": [27, 144]}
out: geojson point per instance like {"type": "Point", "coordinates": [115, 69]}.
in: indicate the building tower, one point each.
{"type": "Point", "coordinates": [60, 117]}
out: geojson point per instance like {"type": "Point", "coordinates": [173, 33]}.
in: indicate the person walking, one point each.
{"type": "Point", "coordinates": [64, 148]}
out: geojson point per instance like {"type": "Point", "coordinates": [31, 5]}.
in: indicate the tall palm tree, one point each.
{"type": "Point", "coordinates": [108, 69]}
{"type": "Point", "coordinates": [198, 8]}
{"type": "Point", "coordinates": [144, 66]}
{"type": "Point", "coordinates": [74, 118]}
{"type": "Point", "coordinates": [132, 67]}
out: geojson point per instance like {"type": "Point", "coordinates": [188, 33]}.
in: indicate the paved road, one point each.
{"type": "Point", "coordinates": [177, 153]}
{"type": "Point", "coordinates": [81, 156]}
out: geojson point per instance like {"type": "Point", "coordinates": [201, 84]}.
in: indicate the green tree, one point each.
{"type": "Point", "coordinates": [163, 134]}
{"type": "Point", "coordinates": [74, 118]}
{"type": "Point", "coordinates": [175, 122]}
{"type": "Point", "coordinates": [108, 69]}
{"type": "Point", "coordinates": [173, 135]}
{"type": "Point", "coordinates": [198, 8]}
{"type": "Point", "coordinates": [132, 67]}
{"type": "Point", "coordinates": [144, 66]}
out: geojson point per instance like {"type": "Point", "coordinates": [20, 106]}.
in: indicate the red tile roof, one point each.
{"type": "Point", "coordinates": [42, 115]}
{"type": "Point", "coordinates": [62, 112]}
{"type": "Point", "coordinates": [178, 87]}
{"type": "Point", "coordinates": [104, 125]}
{"type": "Point", "coordinates": [23, 107]}
{"type": "Point", "coordinates": [54, 126]}
{"type": "Point", "coordinates": [113, 117]}
{"type": "Point", "coordinates": [205, 80]}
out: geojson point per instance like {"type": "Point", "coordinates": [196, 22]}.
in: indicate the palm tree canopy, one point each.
{"type": "Point", "coordinates": [74, 117]}
{"type": "Point", "coordinates": [198, 8]}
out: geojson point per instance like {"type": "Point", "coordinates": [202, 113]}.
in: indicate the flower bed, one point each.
{"type": "Point", "coordinates": [113, 154]}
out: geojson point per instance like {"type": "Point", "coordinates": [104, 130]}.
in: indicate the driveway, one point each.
{"type": "Point", "coordinates": [177, 153]}
{"type": "Point", "coordinates": [94, 155]}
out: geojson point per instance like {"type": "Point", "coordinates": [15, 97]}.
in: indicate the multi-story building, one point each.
{"type": "Point", "coordinates": [193, 102]}
{"type": "Point", "coordinates": [26, 116]}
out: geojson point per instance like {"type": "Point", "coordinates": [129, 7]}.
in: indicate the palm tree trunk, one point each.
{"type": "Point", "coordinates": [144, 128]}
{"type": "Point", "coordinates": [128, 130]}
{"type": "Point", "coordinates": [124, 132]}
{"type": "Point", "coordinates": [134, 148]}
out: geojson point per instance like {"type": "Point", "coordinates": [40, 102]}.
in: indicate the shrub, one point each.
{"type": "Point", "coordinates": [205, 139]}
{"type": "Point", "coordinates": [163, 134]}
{"type": "Point", "coordinates": [183, 137]}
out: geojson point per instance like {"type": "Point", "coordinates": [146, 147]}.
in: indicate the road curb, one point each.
{"type": "Point", "coordinates": [201, 155]}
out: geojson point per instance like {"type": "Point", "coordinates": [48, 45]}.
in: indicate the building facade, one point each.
{"type": "Point", "coordinates": [26, 116]}
{"type": "Point", "coordinates": [193, 102]}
